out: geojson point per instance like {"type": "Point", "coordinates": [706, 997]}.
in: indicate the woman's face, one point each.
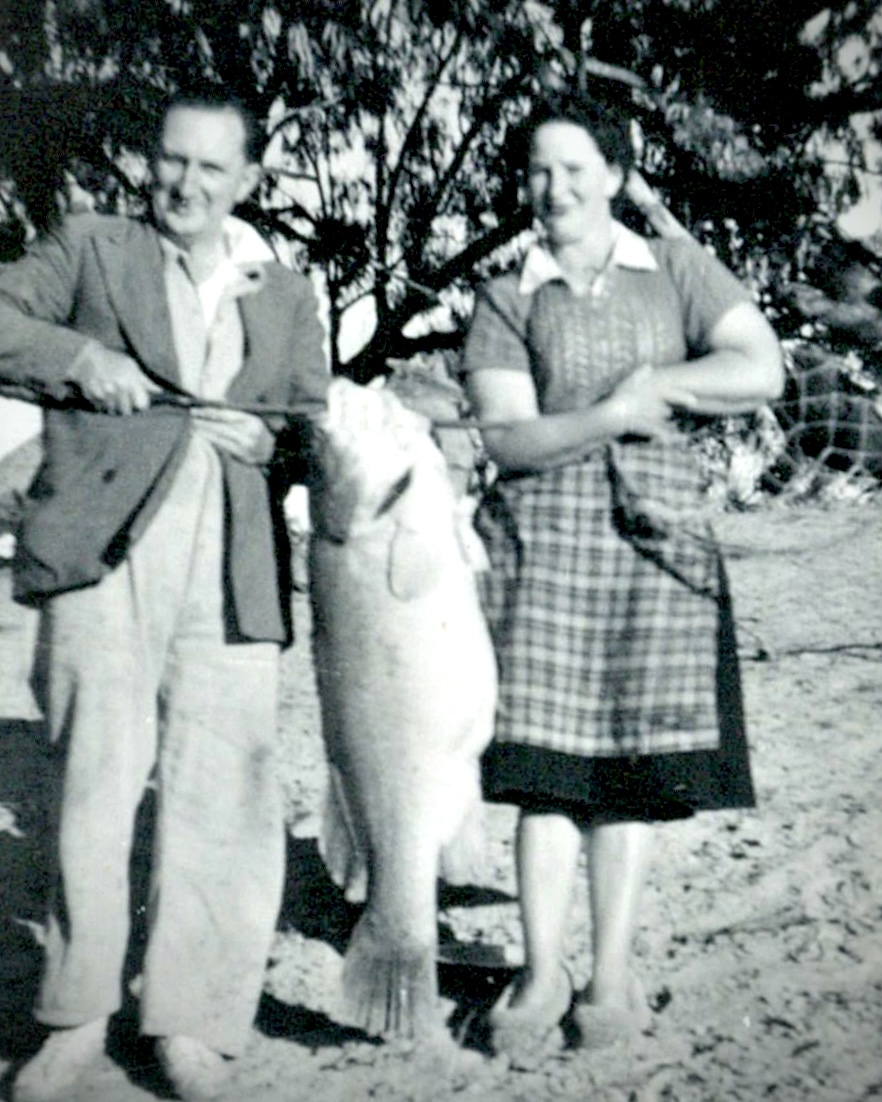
{"type": "Point", "coordinates": [571, 184]}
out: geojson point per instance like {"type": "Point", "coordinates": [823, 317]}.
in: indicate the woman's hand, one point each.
{"type": "Point", "coordinates": [741, 370]}
{"type": "Point", "coordinates": [525, 440]}
{"type": "Point", "coordinates": [244, 436]}
{"type": "Point", "coordinates": [644, 403]}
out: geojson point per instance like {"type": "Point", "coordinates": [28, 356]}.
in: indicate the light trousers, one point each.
{"type": "Point", "coordinates": [135, 673]}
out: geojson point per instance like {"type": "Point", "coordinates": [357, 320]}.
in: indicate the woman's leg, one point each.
{"type": "Point", "coordinates": [548, 848]}
{"type": "Point", "coordinates": [618, 861]}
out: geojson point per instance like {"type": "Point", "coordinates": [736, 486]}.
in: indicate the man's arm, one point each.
{"type": "Point", "coordinates": [40, 351]}
{"type": "Point", "coordinates": [37, 293]}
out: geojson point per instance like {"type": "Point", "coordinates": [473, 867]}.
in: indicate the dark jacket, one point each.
{"type": "Point", "coordinates": [103, 476]}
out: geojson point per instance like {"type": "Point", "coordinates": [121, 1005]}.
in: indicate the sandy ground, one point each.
{"type": "Point", "coordinates": [761, 941]}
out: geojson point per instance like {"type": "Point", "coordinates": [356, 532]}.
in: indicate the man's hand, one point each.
{"type": "Point", "coordinates": [244, 436]}
{"type": "Point", "coordinates": [111, 381]}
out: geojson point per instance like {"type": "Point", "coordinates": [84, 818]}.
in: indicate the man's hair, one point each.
{"type": "Point", "coordinates": [605, 119]}
{"type": "Point", "coordinates": [216, 97]}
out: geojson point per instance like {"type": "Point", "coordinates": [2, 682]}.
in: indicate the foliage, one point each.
{"type": "Point", "coordinates": [387, 168]}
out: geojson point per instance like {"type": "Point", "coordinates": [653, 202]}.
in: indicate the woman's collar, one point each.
{"type": "Point", "coordinates": [629, 251]}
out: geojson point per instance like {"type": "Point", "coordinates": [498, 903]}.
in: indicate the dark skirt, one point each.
{"type": "Point", "coordinates": [643, 787]}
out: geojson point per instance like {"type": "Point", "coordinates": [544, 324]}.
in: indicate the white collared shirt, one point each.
{"type": "Point", "coordinates": [243, 250]}
{"type": "Point", "coordinates": [206, 324]}
{"type": "Point", "coordinates": [629, 251]}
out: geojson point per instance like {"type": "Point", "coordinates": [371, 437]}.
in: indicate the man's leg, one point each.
{"type": "Point", "coordinates": [94, 683]}
{"type": "Point", "coordinates": [100, 709]}
{"type": "Point", "coordinates": [219, 856]}
{"type": "Point", "coordinates": [219, 853]}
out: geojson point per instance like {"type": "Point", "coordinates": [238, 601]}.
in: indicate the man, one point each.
{"type": "Point", "coordinates": [153, 541]}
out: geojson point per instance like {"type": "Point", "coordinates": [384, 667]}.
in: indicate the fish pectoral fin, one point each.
{"type": "Point", "coordinates": [414, 566]}
{"type": "Point", "coordinates": [464, 856]}
{"type": "Point", "coordinates": [341, 847]}
{"type": "Point", "coordinates": [471, 545]}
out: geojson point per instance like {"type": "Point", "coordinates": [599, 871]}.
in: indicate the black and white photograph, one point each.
{"type": "Point", "coordinates": [440, 508]}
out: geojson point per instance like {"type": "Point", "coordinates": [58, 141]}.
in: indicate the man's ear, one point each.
{"type": "Point", "coordinates": [615, 179]}
{"type": "Point", "coordinates": [250, 178]}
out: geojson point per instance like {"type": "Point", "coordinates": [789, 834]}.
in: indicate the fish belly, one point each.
{"type": "Point", "coordinates": [407, 691]}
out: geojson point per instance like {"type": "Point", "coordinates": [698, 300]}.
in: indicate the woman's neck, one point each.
{"type": "Point", "coordinates": [586, 258]}
{"type": "Point", "coordinates": [583, 261]}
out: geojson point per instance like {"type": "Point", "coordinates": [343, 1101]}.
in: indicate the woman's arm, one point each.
{"type": "Point", "coordinates": [529, 441]}
{"type": "Point", "coordinates": [742, 370]}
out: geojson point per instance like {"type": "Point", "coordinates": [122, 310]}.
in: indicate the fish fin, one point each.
{"type": "Point", "coordinates": [414, 568]}
{"type": "Point", "coordinates": [343, 853]}
{"type": "Point", "coordinates": [390, 989]}
{"type": "Point", "coordinates": [471, 545]}
{"type": "Point", "coordinates": [465, 856]}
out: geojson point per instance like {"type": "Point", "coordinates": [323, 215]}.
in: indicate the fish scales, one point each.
{"type": "Point", "coordinates": [407, 684]}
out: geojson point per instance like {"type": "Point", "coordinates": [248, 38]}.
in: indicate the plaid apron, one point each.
{"type": "Point", "coordinates": [604, 584]}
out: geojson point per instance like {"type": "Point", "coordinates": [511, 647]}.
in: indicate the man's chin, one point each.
{"type": "Point", "coordinates": [181, 226]}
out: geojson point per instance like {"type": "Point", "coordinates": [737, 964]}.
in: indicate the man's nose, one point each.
{"type": "Point", "coordinates": [188, 179]}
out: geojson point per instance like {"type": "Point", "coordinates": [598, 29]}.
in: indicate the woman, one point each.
{"type": "Point", "coordinates": [619, 701]}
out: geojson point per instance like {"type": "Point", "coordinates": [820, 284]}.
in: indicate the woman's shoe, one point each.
{"type": "Point", "coordinates": [526, 1032]}
{"type": "Point", "coordinates": [197, 1072]}
{"type": "Point", "coordinates": [603, 1026]}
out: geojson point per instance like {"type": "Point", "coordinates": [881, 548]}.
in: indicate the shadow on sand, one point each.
{"type": "Point", "coordinates": [469, 976]}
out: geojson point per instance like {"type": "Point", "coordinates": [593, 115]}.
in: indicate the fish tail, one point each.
{"type": "Point", "coordinates": [391, 989]}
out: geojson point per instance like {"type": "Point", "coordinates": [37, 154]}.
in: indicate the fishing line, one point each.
{"type": "Point", "coordinates": [306, 407]}
{"type": "Point", "coordinates": [687, 522]}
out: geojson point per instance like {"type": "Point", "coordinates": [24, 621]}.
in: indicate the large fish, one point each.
{"type": "Point", "coordinates": [407, 682]}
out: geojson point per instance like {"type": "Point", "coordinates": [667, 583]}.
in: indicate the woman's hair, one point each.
{"type": "Point", "coordinates": [605, 120]}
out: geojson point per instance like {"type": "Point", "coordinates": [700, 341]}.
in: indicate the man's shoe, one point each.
{"type": "Point", "coordinates": [63, 1059]}
{"type": "Point", "coordinates": [197, 1072]}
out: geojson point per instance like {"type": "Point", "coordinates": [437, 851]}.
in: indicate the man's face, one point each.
{"type": "Point", "coordinates": [200, 173]}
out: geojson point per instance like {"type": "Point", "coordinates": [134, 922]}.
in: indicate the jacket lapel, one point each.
{"type": "Point", "coordinates": [260, 321]}
{"type": "Point", "coordinates": [132, 265]}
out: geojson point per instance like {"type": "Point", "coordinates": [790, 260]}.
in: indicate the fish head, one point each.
{"type": "Point", "coordinates": [366, 446]}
